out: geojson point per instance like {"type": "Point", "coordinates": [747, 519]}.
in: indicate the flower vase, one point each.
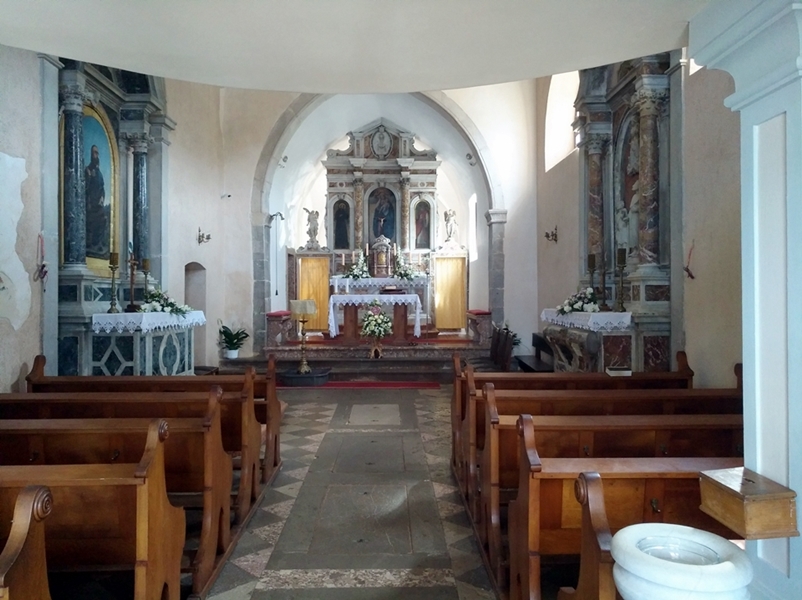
{"type": "Point", "coordinates": [375, 348]}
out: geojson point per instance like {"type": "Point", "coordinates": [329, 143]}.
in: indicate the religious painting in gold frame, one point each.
{"type": "Point", "coordinates": [100, 164]}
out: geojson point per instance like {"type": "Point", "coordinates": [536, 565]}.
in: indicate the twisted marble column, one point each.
{"type": "Point", "coordinates": [359, 200]}
{"type": "Point", "coordinates": [72, 103]}
{"type": "Point", "coordinates": [649, 102]}
{"type": "Point", "coordinates": [595, 148]}
{"type": "Point", "coordinates": [139, 147]}
{"type": "Point", "coordinates": [405, 212]}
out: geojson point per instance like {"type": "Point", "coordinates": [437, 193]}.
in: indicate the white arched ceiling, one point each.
{"type": "Point", "coordinates": [349, 46]}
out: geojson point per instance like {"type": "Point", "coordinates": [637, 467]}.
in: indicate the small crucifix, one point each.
{"type": "Point", "coordinates": [132, 264]}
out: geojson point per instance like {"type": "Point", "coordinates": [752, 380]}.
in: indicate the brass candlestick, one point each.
{"type": "Point", "coordinates": [113, 308]}
{"type": "Point", "coordinates": [603, 306]}
{"type": "Point", "coordinates": [132, 306]}
{"type": "Point", "coordinates": [304, 366]}
{"type": "Point", "coordinates": [619, 303]}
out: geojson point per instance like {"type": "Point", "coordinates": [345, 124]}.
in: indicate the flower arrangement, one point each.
{"type": "Point", "coordinates": [159, 301]}
{"type": "Point", "coordinates": [583, 301]}
{"type": "Point", "coordinates": [375, 323]}
{"type": "Point", "coordinates": [359, 270]}
{"type": "Point", "coordinates": [402, 269]}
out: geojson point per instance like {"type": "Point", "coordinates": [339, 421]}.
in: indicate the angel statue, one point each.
{"type": "Point", "coordinates": [451, 225]}
{"type": "Point", "coordinates": [312, 227]}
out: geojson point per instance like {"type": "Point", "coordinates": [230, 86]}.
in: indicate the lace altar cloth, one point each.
{"type": "Point", "coordinates": [337, 300]}
{"type": "Point", "coordinates": [145, 322]}
{"type": "Point", "coordinates": [598, 321]}
{"type": "Point", "coordinates": [374, 284]}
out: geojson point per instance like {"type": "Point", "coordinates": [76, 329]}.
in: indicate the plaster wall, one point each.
{"type": "Point", "coordinates": [505, 115]}
{"type": "Point", "coordinates": [558, 206]}
{"type": "Point", "coordinates": [20, 142]}
{"type": "Point", "coordinates": [712, 226]}
{"type": "Point", "coordinates": [195, 184]}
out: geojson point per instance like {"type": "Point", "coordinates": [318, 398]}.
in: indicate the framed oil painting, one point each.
{"type": "Point", "coordinates": [100, 163]}
{"type": "Point", "coordinates": [381, 214]}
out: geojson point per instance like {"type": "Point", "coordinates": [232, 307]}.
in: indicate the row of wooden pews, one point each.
{"type": "Point", "coordinates": [522, 439]}
{"type": "Point", "coordinates": [123, 457]}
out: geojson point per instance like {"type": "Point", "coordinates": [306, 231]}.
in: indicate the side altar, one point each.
{"type": "Point", "coordinates": [143, 343]}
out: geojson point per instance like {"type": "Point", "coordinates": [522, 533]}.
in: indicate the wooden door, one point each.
{"type": "Point", "coordinates": [450, 294]}
{"type": "Point", "coordinates": [313, 283]}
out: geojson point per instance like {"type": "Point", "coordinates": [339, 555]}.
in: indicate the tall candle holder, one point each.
{"type": "Point", "coordinates": [603, 306]}
{"type": "Point", "coordinates": [146, 269]}
{"type": "Point", "coordinates": [591, 269]}
{"type": "Point", "coordinates": [132, 263]}
{"type": "Point", "coordinates": [114, 259]}
{"type": "Point", "coordinates": [619, 302]}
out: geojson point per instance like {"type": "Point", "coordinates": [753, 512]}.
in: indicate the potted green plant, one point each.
{"type": "Point", "coordinates": [232, 341]}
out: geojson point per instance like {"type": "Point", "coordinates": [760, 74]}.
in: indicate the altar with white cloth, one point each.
{"type": "Point", "coordinates": [144, 343]}
{"type": "Point", "coordinates": [351, 302]}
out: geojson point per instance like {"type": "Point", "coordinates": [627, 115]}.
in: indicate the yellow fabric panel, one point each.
{"type": "Point", "coordinates": [314, 283]}
{"type": "Point", "coordinates": [449, 296]}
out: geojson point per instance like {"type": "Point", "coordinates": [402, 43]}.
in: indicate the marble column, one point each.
{"type": "Point", "coordinates": [139, 149]}
{"type": "Point", "coordinates": [496, 219]}
{"type": "Point", "coordinates": [161, 126]}
{"type": "Point", "coordinates": [74, 209]}
{"type": "Point", "coordinates": [404, 211]}
{"type": "Point", "coordinates": [649, 101]}
{"type": "Point", "coordinates": [595, 148]}
{"type": "Point", "coordinates": [359, 200]}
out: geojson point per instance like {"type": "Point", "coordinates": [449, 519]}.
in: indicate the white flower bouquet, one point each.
{"type": "Point", "coordinates": [159, 301]}
{"type": "Point", "coordinates": [583, 301]}
{"type": "Point", "coordinates": [375, 323]}
{"type": "Point", "coordinates": [359, 270]}
{"type": "Point", "coordinates": [402, 269]}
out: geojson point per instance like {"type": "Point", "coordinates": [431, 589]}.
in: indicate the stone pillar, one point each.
{"type": "Point", "coordinates": [72, 92]}
{"type": "Point", "coordinates": [496, 218]}
{"type": "Point", "coordinates": [650, 95]}
{"type": "Point", "coordinates": [159, 231]}
{"type": "Point", "coordinates": [595, 148]}
{"type": "Point", "coordinates": [359, 200]}
{"type": "Point", "coordinates": [404, 211]}
{"type": "Point", "coordinates": [139, 146]}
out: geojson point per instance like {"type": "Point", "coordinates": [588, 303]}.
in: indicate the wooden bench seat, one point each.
{"type": "Point", "coordinates": [23, 565]}
{"type": "Point", "coordinates": [240, 431]}
{"type": "Point", "coordinates": [467, 382]}
{"type": "Point", "coordinates": [581, 402]}
{"type": "Point", "coordinates": [608, 436]}
{"type": "Point", "coordinates": [262, 386]}
{"type": "Point", "coordinates": [112, 516]}
{"type": "Point", "coordinates": [545, 519]}
{"type": "Point", "coordinates": [198, 471]}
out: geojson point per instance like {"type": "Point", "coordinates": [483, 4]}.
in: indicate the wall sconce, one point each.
{"type": "Point", "coordinates": [203, 237]}
{"type": "Point", "coordinates": [552, 235]}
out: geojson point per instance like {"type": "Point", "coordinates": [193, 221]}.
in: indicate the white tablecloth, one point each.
{"type": "Point", "coordinates": [598, 321]}
{"type": "Point", "coordinates": [145, 322]}
{"type": "Point", "coordinates": [373, 284]}
{"type": "Point", "coordinates": [337, 300]}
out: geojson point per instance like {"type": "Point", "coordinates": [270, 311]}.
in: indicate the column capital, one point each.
{"type": "Point", "coordinates": [496, 216]}
{"type": "Point", "coordinates": [596, 143]}
{"type": "Point", "coordinates": [649, 101]}
{"type": "Point", "coordinates": [138, 141]}
{"type": "Point", "coordinates": [72, 91]}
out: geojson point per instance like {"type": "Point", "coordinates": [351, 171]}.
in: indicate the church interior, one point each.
{"type": "Point", "coordinates": [366, 241]}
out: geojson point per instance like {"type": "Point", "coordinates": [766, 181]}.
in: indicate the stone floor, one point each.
{"type": "Point", "coordinates": [365, 505]}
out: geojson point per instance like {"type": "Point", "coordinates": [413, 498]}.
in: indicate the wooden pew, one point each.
{"type": "Point", "coordinates": [23, 566]}
{"type": "Point", "coordinates": [261, 386]}
{"type": "Point", "coordinates": [467, 382]}
{"type": "Point", "coordinates": [112, 516]}
{"type": "Point", "coordinates": [608, 436]}
{"type": "Point", "coordinates": [544, 519]}
{"type": "Point", "coordinates": [198, 471]}
{"type": "Point", "coordinates": [582, 402]}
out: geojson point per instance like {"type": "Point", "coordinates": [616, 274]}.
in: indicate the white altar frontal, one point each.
{"type": "Point", "coordinates": [151, 343]}
{"type": "Point", "coordinates": [338, 300]}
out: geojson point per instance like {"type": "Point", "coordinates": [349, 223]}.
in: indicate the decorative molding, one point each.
{"type": "Point", "coordinates": [496, 216]}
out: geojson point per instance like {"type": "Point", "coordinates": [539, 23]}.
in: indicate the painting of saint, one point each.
{"type": "Point", "coordinates": [382, 205]}
{"type": "Point", "coordinates": [423, 213]}
{"type": "Point", "coordinates": [98, 181]}
{"type": "Point", "coordinates": [342, 225]}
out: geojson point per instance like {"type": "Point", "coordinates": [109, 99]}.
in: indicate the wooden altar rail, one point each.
{"type": "Point", "coordinates": [198, 471]}
{"type": "Point", "coordinates": [261, 387]}
{"type": "Point", "coordinates": [132, 525]}
{"type": "Point", "coordinates": [545, 521]}
{"type": "Point", "coordinates": [23, 567]}
{"type": "Point", "coordinates": [608, 436]}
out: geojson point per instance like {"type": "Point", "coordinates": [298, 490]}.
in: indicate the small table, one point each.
{"type": "Point", "coordinates": [351, 303]}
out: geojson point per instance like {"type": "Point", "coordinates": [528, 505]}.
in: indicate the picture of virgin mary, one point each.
{"type": "Point", "coordinates": [382, 202]}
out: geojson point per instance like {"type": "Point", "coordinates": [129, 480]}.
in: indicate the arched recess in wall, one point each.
{"type": "Point", "coordinates": [560, 116]}
{"type": "Point", "coordinates": [272, 161]}
{"type": "Point", "coordinates": [195, 296]}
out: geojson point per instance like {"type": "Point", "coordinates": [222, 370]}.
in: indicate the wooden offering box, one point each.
{"type": "Point", "coordinates": [752, 505]}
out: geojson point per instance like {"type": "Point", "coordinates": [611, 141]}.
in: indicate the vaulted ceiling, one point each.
{"type": "Point", "coordinates": [348, 46]}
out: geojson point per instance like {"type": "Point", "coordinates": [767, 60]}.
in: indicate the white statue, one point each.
{"type": "Point", "coordinates": [451, 225]}
{"type": "Point", "coordinates": [312, 228]}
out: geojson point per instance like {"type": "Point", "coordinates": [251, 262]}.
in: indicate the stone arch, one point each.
{"type": "Point", "coordinates": [280, 135]}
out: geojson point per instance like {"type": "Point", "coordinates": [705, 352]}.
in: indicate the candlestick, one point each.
{"type": "Point", "coordinates": [603, 306]}
{"type": "Point", "coordinates": [113, 268]}
{"type": "Point", "coordinates": [132, 263]}
{"type": "Point", "coordinates": [146, 265]}
{"type": "Point", "coordinates": [591, 262]}
{"type": "Point", "coordinates": [619, 303]}
{"type": "Point", "coordinates": [621, 257]}
{"type": "Point", "coordinates": [114, 259]}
